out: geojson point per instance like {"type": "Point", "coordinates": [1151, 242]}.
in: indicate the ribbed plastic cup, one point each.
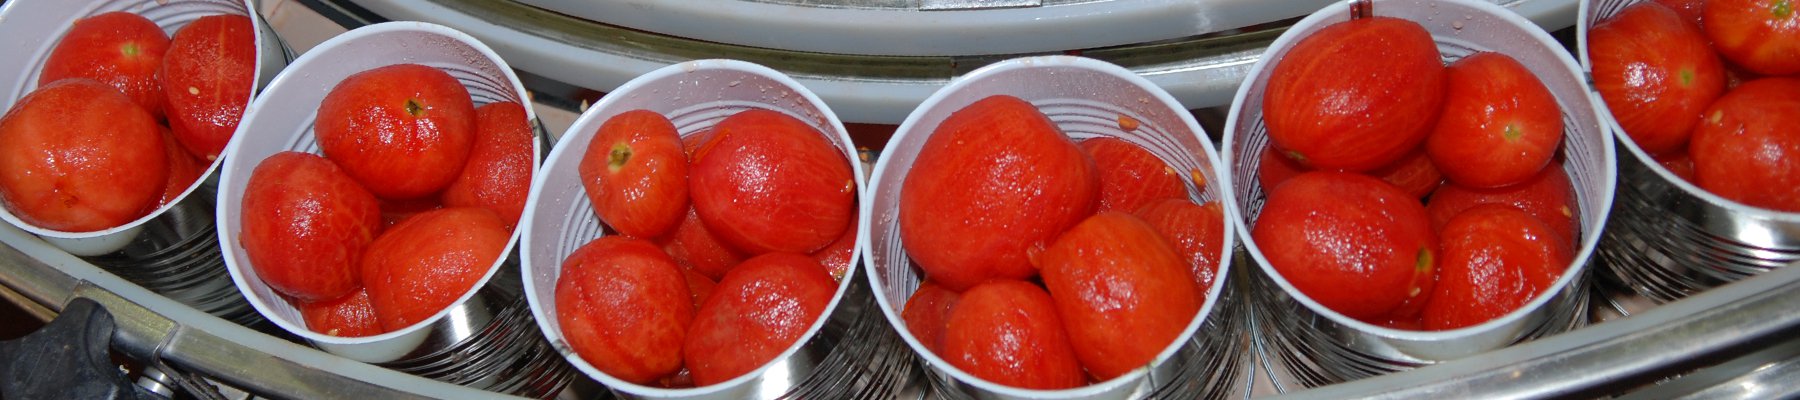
{"type": "Point", "coordinates": [694, 95]}
{"type": "Point", "coordinates": [172, 250]}
{"type": "Point", "coordinates": [1086, 98]}
{"type": "Point", "coordinates": [282, 120]}
{"type": "Point", "coordinates": [1668, 238]}
{"type": "Point", "coordinates": [1318, 346]}
{"type": "Point", "coordinates": [33, 28]}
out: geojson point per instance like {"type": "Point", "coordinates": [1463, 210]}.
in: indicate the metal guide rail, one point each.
{"type": "Point", "coordinates": [1745, 332]}
{"type": "Point", "coordinates": [159, 332]}
{"type": "Point", "coordinates": [1199, 64]}
{"type": "Point", "coordinates": [1733, 341]}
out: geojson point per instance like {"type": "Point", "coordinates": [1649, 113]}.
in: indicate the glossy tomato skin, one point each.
{"type": "Point", "coordinates": [183, 169]}
{"type": "Point", "coordinates": [996, 180]}
{"type": "Point", "coordinates": [1680, 163]}
{"type": "Point", "coordinates": [835, 257]}
{"type": "Point", "coordinates": [636, 174]}
{"type": "Point", "coordinates": [694, 246]}
{"type": "Point", "coordinates": [404, 131]}
{"type": "Point", "coordinates": [698, 285]}
{"type": "Point", "coordinates": [350, 316]}
{"type": "Point", "coordinates": [306, 226]}
{"type": "Point", "coordinates": [1690, 10]}
{"type": "Point", "coordinates": [1386, 81]}
{"type": "Point", "coordinates": [78, 156]}
{"type": "Point", "coordinates": [1122, 292]}
{"type": "Point", "coordinates": [691, 143]}
{"type": "Point", "coordinates": [1196, 232]}
{"type": "Point", "coordinates": [1762, 36]}
{"type": "Point", "coordinates": [768, 182]}
{"type": "Point", "coordinates": [207, 78]}
{"type": "Point", "coordinates": [1495, 259]}
{"type": "Point", "coordinates": [1549, 197]}
{"type": "Point", "coordinates": [1273, 168]}
{"type": "Point", "coordinates": [1131, 176]}
{"type": "Point", "coordinates": [1747, 148]}
{"type": "Point", "coordinates": [1414, 174]}
{"type": "Point", "coordinates": [394, 211]}
{"type": "Point", "coordinates": [1355, 244]}
{"type": "Point", "coordinates": [1500, 125]}
{"type": "Point", "coordinates": [755, 313]}
{"type": "Point", "coordinates": [424, 264]}
{"type": "Point", "coordinates": [1008, 332]}
{"type": "Point", "coordinates": [1656, 74]}
{"type": "Point", "coordinates": [118, 48]}
{"type": "Point", "coordinates": [625, 307]}
{"type": "Point", "coordinates": [927, 315]}
{"type": "Point", "coordinates": [498, 175]}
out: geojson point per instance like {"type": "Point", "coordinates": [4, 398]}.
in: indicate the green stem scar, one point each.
{"type": "Point", "coordinates": [1296, 156]}
{"type": "Point", "coordinates": [130, 49]}
{"type": "Point", "coordinates": [1424, 263]}
{"type": "Point", "coordinates": [414, 109]}
{"type": "Point", "coordinates": [1783, 9]}
{"type": "Point", "coordinates": [617, 158]}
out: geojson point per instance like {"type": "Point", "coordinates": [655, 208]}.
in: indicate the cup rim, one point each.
{"type": "Point", "coordinates": [566, 148]}
{"type": "Point", "coordinates": [320, 54]}
{"type": "Point", "coordinates": [1582, 27]}
{"type": "Point", "coordinates": [1577, 265]}
{"type": "Point", "coordinates": [264, 37]}
{"type": "Point", "coordinates": [910, 126]}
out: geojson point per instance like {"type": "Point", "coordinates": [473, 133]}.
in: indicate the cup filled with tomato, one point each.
{"type": "Point", "coordinates": [1052, 227]}
{"type": "Point", "coordinates": [1702, 97]}
{"type": "Point", "coordinates": [372, 201]}
{"type": "Point", "coordinates": [1418, 181]}
{"type": "Point", "coordinates": [102, 101]}
{"type": "Point", "coordinates": [117, 112]}
{"type": "Point", "coordinates": [693, 234]}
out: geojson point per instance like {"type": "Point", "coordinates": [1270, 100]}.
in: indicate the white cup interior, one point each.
{"type": "Point", "coordinates": [1086, 98]}
{"type": "Point", "coordinates": [283, 121]}
{"type": "Point", "coordinates": [1700, 231]}
{"type": "Point", "coordinates": [1461, 28]}
{"type": "Point", "coordinates": [33, 29]}
{"type": "Point", "coordinates": [694, 95]}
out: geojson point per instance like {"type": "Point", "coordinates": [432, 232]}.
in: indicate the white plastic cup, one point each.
{"type": "Point", "coordinates": [33, 28]}
{"type": "Point", "coordinates": [1669, 238]}
{"type": "Point", "coordinates": [1461, 28]}
{"type": "Point", "coordinates": [694, 95]}
{"type": "Point", "coordinates": [1086, 98]}
{"type": "Point", "coordinates": [283, 121]}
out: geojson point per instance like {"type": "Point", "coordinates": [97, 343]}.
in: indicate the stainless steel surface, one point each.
{"type": "Point", "coordinates": [1300, 352]}
{"type": "Point", "coordinates": [860, 88]}
{"type": "Point", "coordinates": [931, 27]}
{"type": "Point", "coordinates": [1655, 349]}
{"type": "Point", "coordinates": [1770, 373]}
{"type": "Point", "coordinates": [939, 5]}
{"type": "Point", "coordinates": [1614, 356]}
{"type": "Point", "coordinates": [869, 361]}
{"type": "Point", "coordinates": [1201, 69]}
{"type": "Point", "coordinates": [1626, 352]}
{"type": "Point", "coordinates": [153, 327]}
{"type": "Point", "coordinates": [1314, 345]}
{"type": "Point", "coordinates": [490, 342]}
{"type": "Point", "coordinates": [1671, 238]}
{"type": "Point", "coordinates": [178, 256]}
{"type": "Point", "coordinates": [850, 350]}
{"type": "Point", "coordinates": [1085, 99]}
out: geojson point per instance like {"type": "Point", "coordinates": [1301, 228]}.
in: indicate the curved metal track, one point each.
{"type": "Point", "coordinates": [1201, 71]}
{"type": "Point", "coordinates": [1716, 328]}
